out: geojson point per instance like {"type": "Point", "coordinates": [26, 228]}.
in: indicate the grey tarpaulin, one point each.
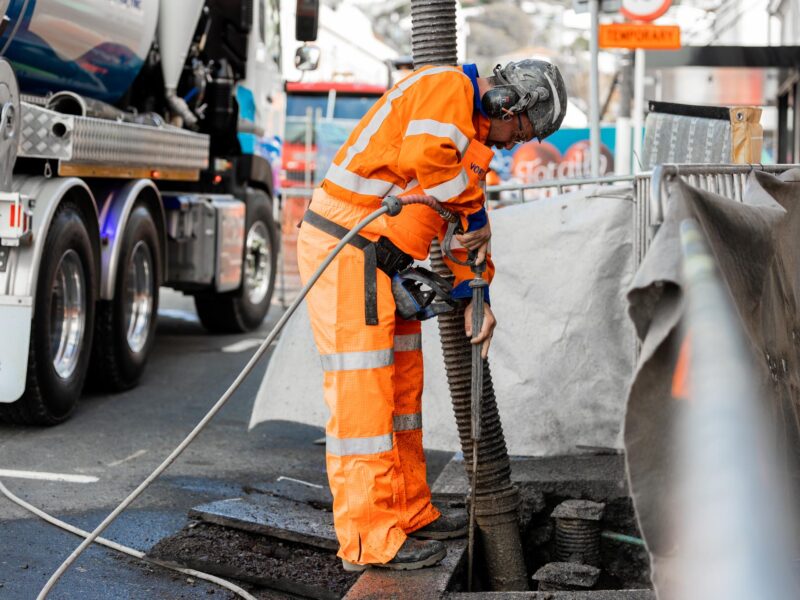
{"type": "Point", "coordinates": [755, 244]}
{"type": "Point", "coordinates": [562, 354]}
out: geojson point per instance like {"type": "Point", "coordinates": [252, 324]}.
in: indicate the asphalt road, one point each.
{"type": "Point", "coordinates": [119, 439]}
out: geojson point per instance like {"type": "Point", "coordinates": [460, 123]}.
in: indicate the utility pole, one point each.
{"type": "Point", "coordinates": [622, 162]}
{"type": "Point", "coordinates": [638, 109]}
{"type": "Point", "coordinates": [594, 94]}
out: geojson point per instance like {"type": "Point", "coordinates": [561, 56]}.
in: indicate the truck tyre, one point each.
{"type": "Point", "coordinates": [125, 326]}
{"type": "Point", "coordinates": [245, 309]}
{"type": "Point", "coordinates": [63, 322]}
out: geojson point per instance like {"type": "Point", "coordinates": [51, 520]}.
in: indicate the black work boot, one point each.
{"type": "Point", "coordinates": [447, 527]}
{"type": "Point", "coordinates": [413, 554]}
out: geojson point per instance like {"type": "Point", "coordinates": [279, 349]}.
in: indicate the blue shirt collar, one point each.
{"type": "Point", "coordinates": [471, 71]}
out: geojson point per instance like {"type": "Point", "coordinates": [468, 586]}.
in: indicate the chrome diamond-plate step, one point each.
{"type": "Point", "coordinates": [88, 141]}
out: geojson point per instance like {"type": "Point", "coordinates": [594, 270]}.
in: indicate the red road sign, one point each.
{"type": "Point", "coordinates": [644, 10]}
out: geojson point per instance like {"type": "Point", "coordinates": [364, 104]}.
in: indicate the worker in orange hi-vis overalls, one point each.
{"type": "Point", "coordinates": [430, 134]}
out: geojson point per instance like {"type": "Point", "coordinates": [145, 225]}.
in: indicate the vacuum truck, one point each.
{"type": "Point", "coordinates": [135, 146]}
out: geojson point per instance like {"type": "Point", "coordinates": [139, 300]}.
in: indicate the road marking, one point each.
{"type": "Point", "coordinates": [48, 476]}
{"type": "Point", "coordinates": [242, 345]}
{"type": "Point", "coordinates": [136, 454]}
{"type": "Point", "coordinates": [308, 483]}
{"type": "Point", "coordinates": [174, 313]}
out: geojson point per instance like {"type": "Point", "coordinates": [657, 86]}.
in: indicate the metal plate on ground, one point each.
{"type": "Point", "coordinates": [318, 496]}
{"type": "Point", "coordinates": [598, 477]}
{"type": "Point", "coordinates": [274, 516]}
{"type": "Point", "coordinates": [423, 584]}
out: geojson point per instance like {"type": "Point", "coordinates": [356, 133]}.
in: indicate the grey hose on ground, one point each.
{"type": "Point", "coordinates": [121, 548]}
{"type": "Point", "coordinates": [216, 408]}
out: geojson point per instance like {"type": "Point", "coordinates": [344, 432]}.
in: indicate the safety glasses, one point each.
{"type": "Point", "coordinates": [519, 136]}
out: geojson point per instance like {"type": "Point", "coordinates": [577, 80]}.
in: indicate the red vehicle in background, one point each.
{"type": "Point", "coordinates": [306, 104]}
{"type": "Point", "coordinates": [340, 105]}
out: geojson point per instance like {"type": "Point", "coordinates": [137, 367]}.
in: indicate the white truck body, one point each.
{"type": "Point", "coordinates": [169, 185]}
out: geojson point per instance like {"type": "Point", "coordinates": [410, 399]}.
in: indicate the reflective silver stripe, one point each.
{"type": "Point", "coordinates": [556, 99]}
{"type": "Point", "coordinates": [449, 189]}
{"type": "Point", "coordinates": [380, 115]}
{"type": "Point", "coordinates": [408, 422]}
{"type": "Point", "coordinates": [407, 342]}
{"type": "Point", "coordinates": [353, 361]}
{"type": "Point", "coordinates": [354, 446]}
{"type": "Point", "coordinates": [339, 174]}
{"type": "Point", "coordinates": [438, 129]}
{"type": "Point", "coordinates": [355, 183]}
{"type": "Point", "coordinates": [396, 189]}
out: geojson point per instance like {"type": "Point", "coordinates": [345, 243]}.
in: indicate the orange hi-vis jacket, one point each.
{"type": "Point", "coordinates": [423, 136]}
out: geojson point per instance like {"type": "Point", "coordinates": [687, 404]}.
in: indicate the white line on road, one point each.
{"type": "Point", "coordinates": [242, 345]}
{"type": "Point", "coordinates": [308, 483]}
{"type": "Point", "coordinates": [136, 454]}
{"type": "Point", "coordinates": [47, 476]}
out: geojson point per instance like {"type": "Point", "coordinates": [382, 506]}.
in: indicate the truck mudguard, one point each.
{"type": "Point", "coordinates": [117, 206]}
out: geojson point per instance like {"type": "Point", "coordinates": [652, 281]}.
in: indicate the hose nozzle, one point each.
{"type": "Point", "coordinates": [393, 205]}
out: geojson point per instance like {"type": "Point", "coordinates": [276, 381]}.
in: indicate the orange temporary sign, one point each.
{"type": "Point", "coordinates": [639, 35]}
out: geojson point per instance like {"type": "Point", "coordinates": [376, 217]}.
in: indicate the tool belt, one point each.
{"type": "Point", "coordinates": [383, 255]}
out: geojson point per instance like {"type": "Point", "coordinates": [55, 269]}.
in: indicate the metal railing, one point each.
{"type": "Point", "coordinates": [726, 180]}
{"type": "Point", "coordinates": [287, 278]}
{"type": "Point", "coordinates": [648, 191]}
{"type": "Point", "coordinates": [517, 193]}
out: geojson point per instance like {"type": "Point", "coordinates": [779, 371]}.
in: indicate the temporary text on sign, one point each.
{"type": "Point", "coordinates": [637, 35]}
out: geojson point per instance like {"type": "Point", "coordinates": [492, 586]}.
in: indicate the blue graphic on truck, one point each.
{"type": "Point", "coordinates": [88, 47]}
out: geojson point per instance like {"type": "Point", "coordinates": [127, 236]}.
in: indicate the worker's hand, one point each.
{"type": "Point", "coordinates": [485, 335]}
{"type": "Point", "coordinates": [477, 241]}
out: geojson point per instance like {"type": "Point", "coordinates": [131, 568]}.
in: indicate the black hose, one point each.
{"type": "Point", "coordinates": [433, 42]}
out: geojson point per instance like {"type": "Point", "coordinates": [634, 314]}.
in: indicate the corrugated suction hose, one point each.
{"type": "Point", "coordinates": [433, 42]}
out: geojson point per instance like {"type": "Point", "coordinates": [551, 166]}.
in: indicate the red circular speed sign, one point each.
{"type": "Point", "coordinates": [644, 10]}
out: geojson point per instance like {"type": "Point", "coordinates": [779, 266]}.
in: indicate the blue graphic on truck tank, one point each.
{"type": "Point", "coordinates": [53, 48]}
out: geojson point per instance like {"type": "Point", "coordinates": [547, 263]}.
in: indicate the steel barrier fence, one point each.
{"type": "Point", "coordinates": [648, 191]}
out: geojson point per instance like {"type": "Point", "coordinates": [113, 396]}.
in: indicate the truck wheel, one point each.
{"type": "Point", "coordinates": [63, 320]}
{"type": "Point", "coordinates": [245, 309]}
{"type": "Point", "coordinates": [125, 326]}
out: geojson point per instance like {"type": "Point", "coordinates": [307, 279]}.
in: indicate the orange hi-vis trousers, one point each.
{"type": "Point", "coordinates": [373, 388]}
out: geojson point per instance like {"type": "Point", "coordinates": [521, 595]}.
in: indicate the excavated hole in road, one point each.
{"type": "Point", "coordinates": [297, 512]}
{"type": "Point", "coordinates": [623, 566]}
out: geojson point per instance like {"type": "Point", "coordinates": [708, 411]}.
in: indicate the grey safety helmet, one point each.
{"type": "Point", "coordinates": [541, 90]}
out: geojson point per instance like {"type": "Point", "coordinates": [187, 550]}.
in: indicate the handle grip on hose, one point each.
{"type": "Point", "coordinates": [456, 229]}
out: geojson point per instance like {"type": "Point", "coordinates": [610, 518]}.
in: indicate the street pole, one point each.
{"type": "Point", "coordinates": [638, 109]}
{"type": "Point", "coordinates": [622, 159]}
{"type": "Point", "coordinates": [594, 94]}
